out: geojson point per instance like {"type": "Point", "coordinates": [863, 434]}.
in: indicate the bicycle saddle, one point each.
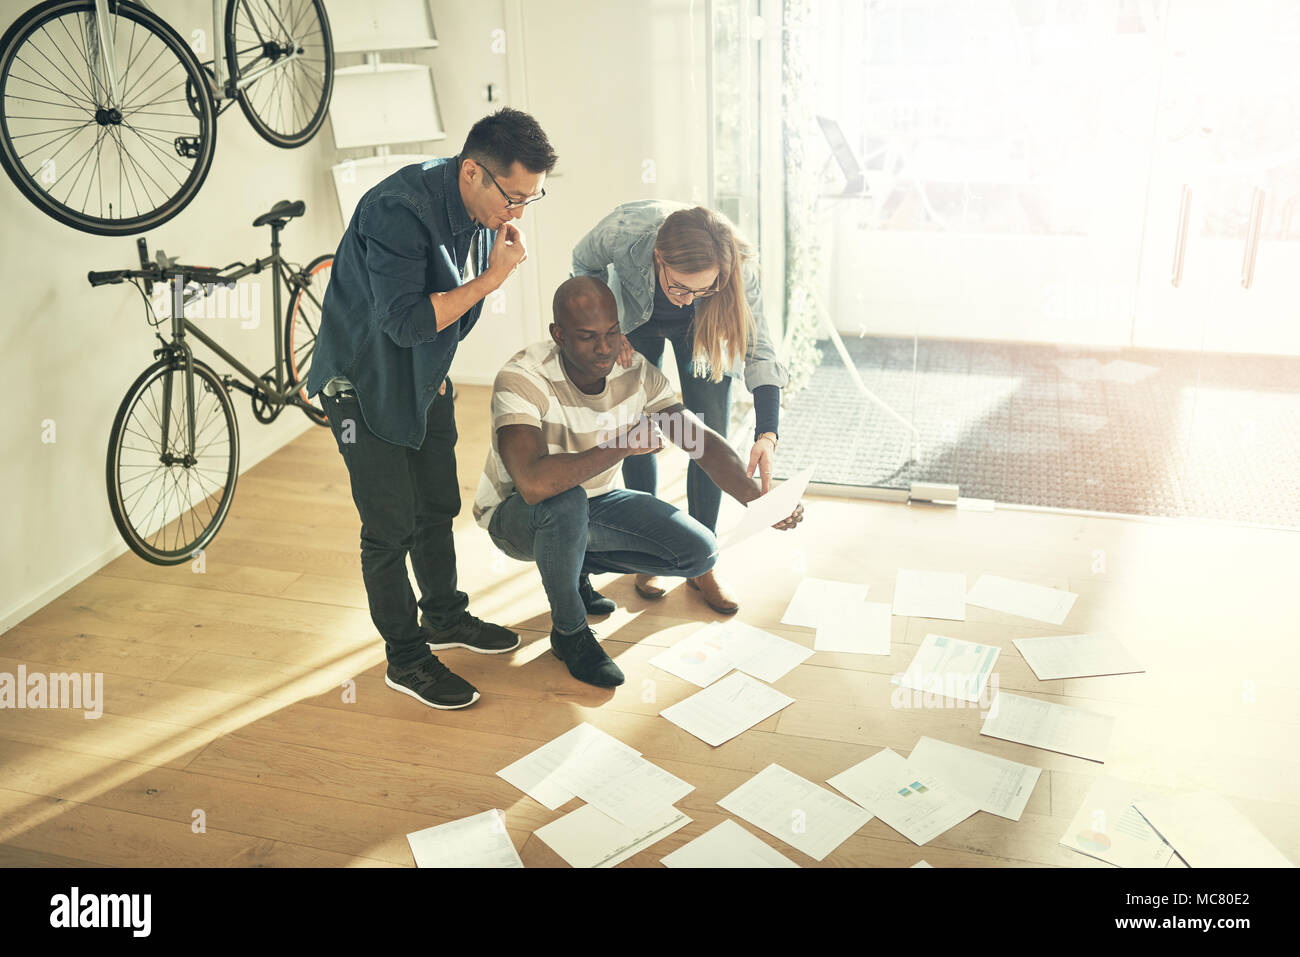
{"type": "Point", "coordinates": [282, 211]}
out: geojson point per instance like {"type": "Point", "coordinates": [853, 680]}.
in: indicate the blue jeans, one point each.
{"type": "Point", "coordinates": [621, 531]}
{"type": "Point", "coordinates": [407, 499]}
{"type": "Point", "coordinates": [711, 401]}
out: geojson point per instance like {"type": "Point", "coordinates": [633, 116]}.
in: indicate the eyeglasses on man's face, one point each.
{"type": "Point", "coordinates": [511, 203]}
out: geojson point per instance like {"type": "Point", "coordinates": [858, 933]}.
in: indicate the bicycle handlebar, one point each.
{"type": "Point", "coordinates": [205, 275]}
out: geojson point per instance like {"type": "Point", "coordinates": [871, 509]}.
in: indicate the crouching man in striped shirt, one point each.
{"type": "Point", "coordinates": [564, 417]}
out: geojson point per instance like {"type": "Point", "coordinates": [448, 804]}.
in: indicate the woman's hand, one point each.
{"type": "Point", "coordinates": [760, 457]}
{"type": "Point", "coordinates": [625, 354]}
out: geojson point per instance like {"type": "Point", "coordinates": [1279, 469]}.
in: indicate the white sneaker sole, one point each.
{"type": "Point", "coordinates": [481, 651]}
{"type": "Point", "coordinates": [441, 707]}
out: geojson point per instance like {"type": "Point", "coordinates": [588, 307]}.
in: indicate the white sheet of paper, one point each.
{"type": "Point", "coordinates": [1052, 727]}
{"type": "Point", "coordinates": [919, 804]}
{"type": "Point", "coordinates": [586, 837]}
{"type": "Point", "coordinates": [534, 773]}
{"type": "Point", "coordinates": [480, 840]}
{"type": "Point", "coordinates": [922, 863]}
{"type": "Point", "coordinates": [762, 654]}
{"type": "Point", "coordinates": [859, 628]}
{"type": "Point", "coordinates": [1207, 831]}
{"type": "Point", "coordinates": [701, 658]}
{"type": "Point", "coordinates": [1076, 656]}
{"type": "Point", "coordinates": [951, 667]}
{"type": "Point", "coordinates": [639, 795]}
{"type": "Point", "coordinates": [795, 810]}
{"type": "Point", "coordinates": [727, 845]}
{"type": "Point", "coordinates": [920, 594]}
{"type": "Point", "coordinates": [766, 510]}
{"type": "Point", "coordinates": [1022, 598]}
{"type": "Point", "coordinates": [815, 593]}
{"type": "Point", "coordinates": [1109, 828]}
{"type": "Point", "coordinates": [997, 785]}
{"type": "Point", "coordinates": [719, 647]}
{"type": "Point", "coordinates": [725, 709]}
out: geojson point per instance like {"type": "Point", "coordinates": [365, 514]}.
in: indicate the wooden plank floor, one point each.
{"type": "Point", "coordinates": [227, 691]}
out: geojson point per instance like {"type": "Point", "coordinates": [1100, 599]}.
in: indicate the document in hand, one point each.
{"type": "Point", "coordinates": [767, 510]}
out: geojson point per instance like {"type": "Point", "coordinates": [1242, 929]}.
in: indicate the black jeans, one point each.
{"type": "Point", "coordinates": [407, 499]}
{"type": "Point", "coordinates": [711, 401]}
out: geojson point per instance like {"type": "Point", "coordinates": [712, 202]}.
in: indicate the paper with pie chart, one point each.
{"type": "Point", "coordinates": [1109, 828]}
{"type": "Point", "coordinates": [720, 647]}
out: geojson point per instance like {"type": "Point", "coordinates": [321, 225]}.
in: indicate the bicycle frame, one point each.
{"type": "Point", "coordinates": [220, 87]}
{"type": "Point", "coordinates": [284, 393]}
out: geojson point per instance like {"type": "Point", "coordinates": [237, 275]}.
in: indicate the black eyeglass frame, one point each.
{"type": "Point", "coordinates": [511, 203]}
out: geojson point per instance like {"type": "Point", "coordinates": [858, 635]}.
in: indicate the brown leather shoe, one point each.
{"type": "Point", "coordinates": [716, 594]}
{"type": "Point", "coordinates": [650, 586]}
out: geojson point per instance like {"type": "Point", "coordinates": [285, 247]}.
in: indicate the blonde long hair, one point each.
{"type": "Point", "coordinates": [696, 240]}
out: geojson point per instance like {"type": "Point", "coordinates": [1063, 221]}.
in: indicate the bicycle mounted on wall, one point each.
{"type": "Point", "coordinates": [173, 450]}
{"type": "Point", "coordinates": [108, 119]}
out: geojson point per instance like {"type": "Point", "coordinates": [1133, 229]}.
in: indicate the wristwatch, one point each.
{"type": "Point", "coordinates": [768, 435]}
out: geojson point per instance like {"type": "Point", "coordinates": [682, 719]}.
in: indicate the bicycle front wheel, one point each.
{"type": "Point", "coordinates": [96, 128]}
{"type": "Point", "coordinates": [301, 325]}
{"type": "Point", "coordinates": [169, 498]}
{"type": "Point", "coordinates": [281, 61]}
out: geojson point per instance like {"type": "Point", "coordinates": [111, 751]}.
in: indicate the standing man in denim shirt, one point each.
{"type": "Point", "coordinates": [423, 249]}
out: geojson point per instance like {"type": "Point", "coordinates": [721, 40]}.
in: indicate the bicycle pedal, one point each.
{"type": "Point", "coordinates": [187, 146]}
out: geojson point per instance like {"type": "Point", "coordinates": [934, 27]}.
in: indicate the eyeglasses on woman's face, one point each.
{"type": "Point", "coordinates": [674, 288]}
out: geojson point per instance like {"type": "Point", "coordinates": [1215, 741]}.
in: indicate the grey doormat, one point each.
{"type": "Point", "coordinates": [1142, 432]}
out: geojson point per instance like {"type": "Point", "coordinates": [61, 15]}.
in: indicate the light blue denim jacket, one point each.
{"type": "Point", "coordinates": [620, 250]}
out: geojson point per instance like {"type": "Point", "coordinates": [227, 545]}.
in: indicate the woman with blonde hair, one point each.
{"type": "Point", "coordinates": [684, 274]}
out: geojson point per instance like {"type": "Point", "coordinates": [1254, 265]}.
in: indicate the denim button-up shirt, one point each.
{"type": "Point", "coordinates": [620, 250]}
{"type": "Point", "coordinates": [408, 237]}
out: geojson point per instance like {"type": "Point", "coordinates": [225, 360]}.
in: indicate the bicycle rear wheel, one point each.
{"type": "Point", "coordinates": [287, 103]}
{"type": "Point", "coordinates": [109, 158]}
{"type": "Point", "coordinates": [168, 500]}
{"type": "Point", "coordinates": [302, 323]}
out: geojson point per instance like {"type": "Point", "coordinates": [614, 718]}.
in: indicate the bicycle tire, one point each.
{"type": "Point", "coordinates": [301, 308]}
{"type": "Point", "coordinates": [317, 102]}
{"type": "Point", "coordinates": [121, 501]}
{"type": "Point", "coordinates": [147, 158]}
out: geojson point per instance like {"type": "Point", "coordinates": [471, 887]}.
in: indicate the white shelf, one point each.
{"type": "Point", "coordinates": [372, 26]}
{"type": "Point", "coordinates": [383, 103]}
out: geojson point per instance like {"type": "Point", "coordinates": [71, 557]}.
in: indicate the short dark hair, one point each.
{"type": "Point", "coordinates": [501, 138]}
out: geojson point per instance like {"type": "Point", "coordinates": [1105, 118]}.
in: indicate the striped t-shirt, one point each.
{"type": "Point", "coordinates": [533, 389]}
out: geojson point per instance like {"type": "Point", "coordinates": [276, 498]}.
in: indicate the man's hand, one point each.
{"type": "Point", "coordinates": [625, 354]}
{"type": "Point", "coordinates": [642, 437]}
{"type": "Point", "coordinates": [508, 251]}
{"type": "Point", "coordinates": [760, 457]}
{"type": "Point", "coordinates": [795, 518]}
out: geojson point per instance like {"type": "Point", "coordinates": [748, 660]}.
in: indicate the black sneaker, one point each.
{"type": "Point", "coordinates": [585, 659]}
{"type": "Point", "coordinates": [472, 633]}
{"type": "Point", "coordinates": [431, 683]}
{"type": "Point", "coordinates": [596, 603]}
